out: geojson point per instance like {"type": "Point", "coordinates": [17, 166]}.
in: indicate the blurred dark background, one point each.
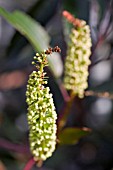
{"type": "Point", "coordinates": [94, 152]}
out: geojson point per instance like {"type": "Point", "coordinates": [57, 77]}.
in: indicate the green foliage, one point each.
{"type": "Point", "coordinates": [35, 34]}
{"type": "Point", "coordinates": [28, 27]}
{"type": "Point", "coordinates": [70, 136]}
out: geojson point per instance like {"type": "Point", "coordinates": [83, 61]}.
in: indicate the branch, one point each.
{"type": "Point", "coordinates": [29, 164]}
{"type": "Point", "coordinates": [63, 91]}
{"type": "Point", "coordinates": [65, 112]}
{"type": "Point", "coordinates": [99, 94]}
{"type": "Point", "coordinates": [13, 147]}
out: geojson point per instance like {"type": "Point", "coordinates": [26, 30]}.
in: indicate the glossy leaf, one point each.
{"type": "Point", "coordinates": [70, 136]}
{"type": "Point", "coordinates": [27, 26]}
{"type": "Point", "coordinates": [35, 34]}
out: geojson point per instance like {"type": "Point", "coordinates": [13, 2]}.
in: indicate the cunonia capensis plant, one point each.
{"type": "Point", "coordinates": [41, 110]}
{"type": "Point", "coordinates": [42, 115]}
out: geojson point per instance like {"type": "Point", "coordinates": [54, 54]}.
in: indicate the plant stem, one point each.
{"type": "Point", "coordinates": [63, 91]}
{"type": "Point", "coordinates": [41, 68]}
{"type": "Point", "coordinates": [99, 94]}
{"type": "Point", "coordinates": [13, 147]}
{"type": "Point", "coordinates": [66, 110]}
{"type": "Point", "coordinates": [29, 164]}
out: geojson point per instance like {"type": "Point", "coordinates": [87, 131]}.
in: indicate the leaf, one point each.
{"type": "Point", "coordinates": [94, 19]}
{"type": "Point", "coordinates": [94, 14]}
{"type": "Point", "coordinates": [27, 26]}
{"type": "Point", "coordinates": [70, 136]}
{"type": "Point", "coordinates": [56, 64]}
{"type": "Point", "coordinates": [35, 34]}
{"type": "Point", "coordinates": [105, 23]}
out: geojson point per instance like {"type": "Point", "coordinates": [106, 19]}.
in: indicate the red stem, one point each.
{"type": "Point", "coordinates": [63, 91]}
{"type": "Point", "coordinates": [14, 147]}
{"type": "Point", "coordinates": [29, 164]}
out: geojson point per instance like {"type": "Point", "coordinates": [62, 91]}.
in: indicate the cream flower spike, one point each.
{"type": "Point", "coordinates": [78, 56]}
{"type": "Point", "coordinates": [41, 110]}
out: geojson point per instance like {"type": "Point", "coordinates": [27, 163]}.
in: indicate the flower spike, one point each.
{"type": "Point", "coordinates": [41, 110]}
{"type": "Point", "coordinates": [77, 59]}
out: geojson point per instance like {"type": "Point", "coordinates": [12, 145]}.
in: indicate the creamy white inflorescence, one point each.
{"type": "Point", "coordinates": [77, 60]}
{"type": "Point", "coordinates": [41, 112]}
